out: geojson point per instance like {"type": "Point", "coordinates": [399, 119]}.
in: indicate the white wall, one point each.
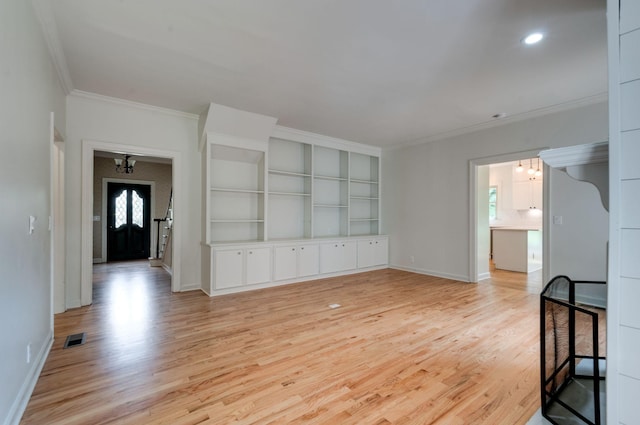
{"type": "Point", "coordinates": [578, 246]}
{"type": "Point", "coordinates": [426, 186]}
{"type": "Point", "coordinates": [623, 315]}
{"type": "Point", "coordinates": [30, 92]}
{"type": "Point", "coordinates": [98, 119]}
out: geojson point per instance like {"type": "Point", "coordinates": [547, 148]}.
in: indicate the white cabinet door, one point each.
{"type": "Point", "coordinates": [338, 256]}
{"type": "Point", "coordinates": [228, 268]}
{"type": "Point", "coordinates": [349, 256]}
{"type": "Point", "coordinates": [366, 253]}
{"type": "Point", "coordinates": [521, 195]}
{"type": "Point", "coordinates": [536, 194]}
{"type": "Point", "coordinates": [258, 265]}
{"type": "Point", "coordinates": [527, 195]}
{"type": "Point", "coordinates": [285, 262]}
{"type": "Point", "coordinates": [381, 251]}
{"type": "Point", "coordinates": [373, 252]}
{"type": "Point", "coordinates": [308, 261]}
{"type": "Point", "coordinates": [330, 260]}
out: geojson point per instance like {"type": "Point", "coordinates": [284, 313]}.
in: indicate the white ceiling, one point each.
{"type": "Point", "coordinates": [374, 71]}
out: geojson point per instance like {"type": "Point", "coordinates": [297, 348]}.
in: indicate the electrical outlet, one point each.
{"type": "Point", "coordinates": [29, 353]}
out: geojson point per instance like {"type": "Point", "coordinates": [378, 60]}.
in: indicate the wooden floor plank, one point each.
{"type": "Point", "coordinates": [403, 349]}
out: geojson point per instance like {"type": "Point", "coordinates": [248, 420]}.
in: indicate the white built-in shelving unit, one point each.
{"type": "Point", "coordinates": [364, 195]}
{"type": "Point", "coordinates": [330, 192]}
{"type": "Point", "coordinates": [289, 174]}
{"type": "Point", "coordinates": [236, 195]}
{"type": "Point", "coordinates": [288, 209]}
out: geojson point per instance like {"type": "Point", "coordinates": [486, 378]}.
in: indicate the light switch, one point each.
{"type": "Point", "coordinates": [557, 219]}
{"type": "Point", "coordinates": [32, 224]}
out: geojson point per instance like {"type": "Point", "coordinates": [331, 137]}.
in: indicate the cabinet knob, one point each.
{"type": "Point", "coordinates": [302, 248]}
{"type": "Point", "coordinates": [250, 252]}
{"type": "Point", "coordinates": [336, 245]}
{"type": "Point", "coordinates": [293, 249]}
{"type": "Point", "coordinates": [370, 243]}
{"type": "Point", "coordinates": [239, 252]}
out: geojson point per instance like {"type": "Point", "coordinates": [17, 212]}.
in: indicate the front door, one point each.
{"type": "Point", "coordinates": [128, 226]}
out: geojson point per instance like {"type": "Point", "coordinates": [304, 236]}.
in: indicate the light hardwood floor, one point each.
{"type": "Point", "coordinates": [403, 348]}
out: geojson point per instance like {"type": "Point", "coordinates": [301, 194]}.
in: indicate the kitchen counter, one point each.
{"type": "Point", "coordinates": [517, 249]}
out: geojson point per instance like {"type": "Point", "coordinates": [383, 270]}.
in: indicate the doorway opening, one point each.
{"type": "Point", "coordinates": [508, 215]}
{"type": "Point", "coordinates": [118, 209]}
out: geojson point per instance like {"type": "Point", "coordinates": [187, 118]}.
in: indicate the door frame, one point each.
{"type": "Point", "coordinates": [103, 225]}
{"type": "Point", "coordinates": [473, 210]}
{"type": "Point", "coordinates": [86, 253]}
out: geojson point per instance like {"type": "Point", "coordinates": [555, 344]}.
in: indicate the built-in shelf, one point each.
{"type": "Point", "coordinates": [288, 173]}
{"type": "Point", "coordinates": [289, 194]}
{"type": "Point", "coordinates": [220, 189]}
{"type": "Point", "coordinates": [342, 179]}
{"type": "Point", "coordinates": [235, 221]}
{"type": "Point", "coordinates": [290, 191]}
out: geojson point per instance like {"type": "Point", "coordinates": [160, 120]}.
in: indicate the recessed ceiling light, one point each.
{"type": "Point", "coordinates": [533, 38]}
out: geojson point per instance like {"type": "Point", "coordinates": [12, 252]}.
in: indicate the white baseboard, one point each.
{"type": "Point", "coordinates": [22, 399]}
{"type": "Point", "coordinates": [483, 276]}
{"type": "Point", "coordinates": [73, 304]}
{"type": "Point", "coordinates": [431, 273]}
{"type": "Point", "coordinates": [190, 287]}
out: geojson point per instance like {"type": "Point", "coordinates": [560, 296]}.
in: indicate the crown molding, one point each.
{"type": "Point", "coordinates": [565, 106]}
{"type": "Point", "coordinates": [302, 136]}
{"type": "Point", "coordinates": [129, 103]}
{"type": "Point", "coordinates": [44, 14]}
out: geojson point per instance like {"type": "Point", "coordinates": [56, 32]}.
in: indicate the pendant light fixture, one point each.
{"type": "Point", "coordinates": [538, 172]}
{"type": "Point", "coordinates": [519, 168]}
{"type": "Point", "coordinates": [531, 170]}
{"type": "Point", "coordinates": [124, 166]}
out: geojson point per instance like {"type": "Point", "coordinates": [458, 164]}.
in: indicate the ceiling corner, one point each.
{"type": "Point", "coordinates": [42, 9]}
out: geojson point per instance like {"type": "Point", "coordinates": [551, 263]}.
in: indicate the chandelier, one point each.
{"type": "Point", "coordinates": [125, 165]}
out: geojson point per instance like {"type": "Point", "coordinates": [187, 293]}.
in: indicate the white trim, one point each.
{"type": "Point", "coordinates": [484, 276]}
{"type": "Point", "coordinates": [585, 101]}
{"type": "Point", "coordinates": [19, 404]}
{"type": "Point", "coordinates": [433, 273]}
{"type": "Point", "coordinates": [590, 153]}
{"type": "Point", "coordinates": [103, 220]}
{"type": "Point", "coordinates": [129, 103]}
{"type": "Point", "coordinates": [43, 12]}
{"type": "Point", "coordinates": [302, 136]}
{"type": "Point", "coordinates": [473, 213]}
{"type": "Point", "coordinates": [86, 253]}
{"type": "Point", "coordinates": [613, 377]}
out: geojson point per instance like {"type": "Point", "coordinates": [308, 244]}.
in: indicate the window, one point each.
{"type": "Point", "coordinates": [493, 202]}
{"type": "Point", "coordinates": [121, 209]}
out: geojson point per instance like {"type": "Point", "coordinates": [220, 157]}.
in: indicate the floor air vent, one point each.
{"type": "Point", "coordinates": [73, 340]}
